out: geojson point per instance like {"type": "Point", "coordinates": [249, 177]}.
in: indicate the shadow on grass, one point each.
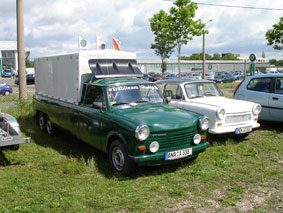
{"type": "Point", "coordinates": [271, 126]}
{"type": "Point", "coordinates": [4, 161]}
{"type": "Point", "coordinates": [74, 148]}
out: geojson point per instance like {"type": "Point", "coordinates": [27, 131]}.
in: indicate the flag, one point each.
{"type": "Point", "coordinates": [100, 43]}
{"type": "Point", "coordinates": [116, 43]}
{"type": "Point", "coordinates": [82, 43]}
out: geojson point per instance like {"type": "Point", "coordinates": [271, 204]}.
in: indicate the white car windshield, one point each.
{"type": "Point", "coordinates": [134, 94]}
{"type": "Point", "coordinates": [201, 89]}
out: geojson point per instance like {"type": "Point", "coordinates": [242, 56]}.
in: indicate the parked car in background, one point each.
{"type": "Point", "coordinates": [266, 90]}
{"type": "Point", "coordinates": [7, 72]}
{"type": "Point", "coordinates": [195, 75]}
{"type": "Point", "coordinates": [225, 115]}
{"type": "Point", "coordinates": [209, 76]}
{"type": "Point", "coordinates": [146, 77]}
{"type": "Point", "coordinates": [224, 78]}
{"type": "Point", "coordinates": [29, 78]}
{"type": "Point", "coordinates": [171, 76]}
{"type": "Point", "coordinates": [5, 89]}
{"type": "Point", "coordinates": [156, 77]}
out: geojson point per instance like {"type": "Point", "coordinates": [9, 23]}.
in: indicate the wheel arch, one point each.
{"type": "Point", "coordinates": [112, 136]}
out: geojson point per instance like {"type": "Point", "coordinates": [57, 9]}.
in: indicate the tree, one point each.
{"type": "Point", "coordinates": [272, 61]}
{"type": "Point", "coordinates": [163, 44]}
{"type": "Point", "coordinates": [216, 56]}
{"type": "Point", "coordinates": [275, 36]}
{"type": "Point", "coordinates": [182, 26]}
{"type": "Point", "coordinates": [27, 59]}
{"type": "Point", "coordinates": [229, 56]}
{"type": "Point", "coordinates": [263, 54]}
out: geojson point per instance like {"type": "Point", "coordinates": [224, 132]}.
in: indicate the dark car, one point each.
{"type": "Point", "coordinates": [5, 89]}
{"type": "Point", "coordinates": [29, 77]}
{"type": "Point", "coordinates": [225, 78]}
{"type": "Point", "coordinates": [156, 77]}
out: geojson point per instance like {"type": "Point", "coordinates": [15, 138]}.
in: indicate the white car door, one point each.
{"type": "Point", "coordinates": [276, 101]}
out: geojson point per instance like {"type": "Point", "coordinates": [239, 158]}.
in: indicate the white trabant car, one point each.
{"type": "Point", "coordinates": [225, 115]}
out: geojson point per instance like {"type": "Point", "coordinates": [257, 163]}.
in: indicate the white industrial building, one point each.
{"type": "Point", "coordinates": [8, 54]}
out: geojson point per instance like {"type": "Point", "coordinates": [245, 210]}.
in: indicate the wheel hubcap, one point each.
{"type": "Point", "coordinates": [41, 122]}
{"type": "Point", "coordinates": [49, 127]}
{"type": "Point", "coordinates": [118, 158]}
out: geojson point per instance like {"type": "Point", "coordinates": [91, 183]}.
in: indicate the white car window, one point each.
{"type": "Point", "coordinates": [201, 89]}
{"type": "Point", "coordinates": [260, 84]}
{"type": "Point", "coordinates": [279, 86]}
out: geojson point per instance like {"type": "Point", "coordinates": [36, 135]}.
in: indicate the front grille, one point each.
{"type": "Point", "coordinates": [173, 139]}
{"type": "Point", "coordinates": [237, 118]}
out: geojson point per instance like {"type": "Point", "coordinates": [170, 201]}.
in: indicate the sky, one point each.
{"type": "Point", "coordinates": [52, 27]}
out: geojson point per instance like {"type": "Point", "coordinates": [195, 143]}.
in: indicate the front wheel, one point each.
{"type": "Point", "coordinates": [119, 159]}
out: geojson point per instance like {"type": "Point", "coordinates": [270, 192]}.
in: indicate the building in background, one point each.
{"type": "Point", "coordinates": [8, 55]}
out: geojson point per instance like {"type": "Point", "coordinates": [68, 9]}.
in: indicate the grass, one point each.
{"type": "Point", "coordinates": [14, 97]}
{"type": "Point", "coordinates": [228, 85]}
{"type": "Point", "coordinates": [61, 173]}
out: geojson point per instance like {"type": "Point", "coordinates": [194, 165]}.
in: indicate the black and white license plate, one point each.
{"type": "Point", "coordinates": [243, 130]}
{"type": "Point", "coordinates": [178, 154]}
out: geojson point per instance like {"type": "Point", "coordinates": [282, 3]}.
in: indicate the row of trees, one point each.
{"type": "Point", "coordinates": [216, 56]}
{"type": "Point", "coordinates": [275, 62]}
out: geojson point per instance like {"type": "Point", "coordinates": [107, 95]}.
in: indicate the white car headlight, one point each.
{"type": "Point", "coordinates": [154, 147]}
{"type": "Point", "coordinates": [204, 123]}
{"type": "Point", "coordinates": [256, 109]}
{"type": "Point", "coordinates": [197, 139]}
{"type": "Point", "coordinates": [142, 132]}
{"type": "Point", "coordinates": [220, 113]}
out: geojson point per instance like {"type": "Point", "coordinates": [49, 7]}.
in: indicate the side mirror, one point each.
{"type": "Point", "coordinates": [97, 105]}
{"type": "Point", "coordinates": [168, 99]}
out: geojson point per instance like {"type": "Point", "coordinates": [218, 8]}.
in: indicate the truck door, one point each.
{"type": "Point", "coordinates": [90, 116]}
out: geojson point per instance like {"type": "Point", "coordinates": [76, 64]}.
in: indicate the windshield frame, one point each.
{"type": "Point", "coordinates": [217, 88]}
{"type": "Point", "coordinates": [132, 103]}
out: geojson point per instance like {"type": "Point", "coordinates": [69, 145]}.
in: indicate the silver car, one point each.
{"type": "Point", "coordinates": [266, 90]}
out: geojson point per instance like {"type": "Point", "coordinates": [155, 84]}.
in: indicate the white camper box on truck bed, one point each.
{"type": "Point", "coordinates": [61, 77]}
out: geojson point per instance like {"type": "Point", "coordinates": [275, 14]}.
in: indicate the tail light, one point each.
{"type": "Point", "coordinates": [237, 87]}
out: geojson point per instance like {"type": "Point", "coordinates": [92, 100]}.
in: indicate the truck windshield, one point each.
{"type": "Point", "coordinates": [134, 93]}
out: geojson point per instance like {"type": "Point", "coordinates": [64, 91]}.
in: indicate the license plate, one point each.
{"type": "Point", "coordinates": [178, 154]}
{"type": "Point", "coordinates": [242, 130]}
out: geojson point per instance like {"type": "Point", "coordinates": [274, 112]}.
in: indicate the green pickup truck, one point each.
{"type": "Point", "coordinates": [114, 111]}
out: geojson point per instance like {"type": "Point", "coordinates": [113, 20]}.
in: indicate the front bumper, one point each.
{"type": "Point", "coordinates": [159, 157]}
{"type": "Point", "coordinates": [231, 128]}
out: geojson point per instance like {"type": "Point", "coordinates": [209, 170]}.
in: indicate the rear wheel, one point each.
{"type": "Point", "coordinates": [49, 127]}
{"type": "Point", "coordinates": [7, 93]}
{"type": "Point", "coordinates": [41, 121]}
{"type": "Point", "coordinates": [119, 160]}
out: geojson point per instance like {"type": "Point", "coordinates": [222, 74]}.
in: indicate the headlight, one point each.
{"type": "Point", "coordinates": [204, 123]}
{"type": "Point", "coordinates": [256, 109]}
{"type": "Point", "coordinates": [154, 146]}
{"type": "Point", "coordinates": [220, 113]}
{"type": "Point", "coordinates": [142, 132]}
{"type": "Point", "coordinates": [197, 139]}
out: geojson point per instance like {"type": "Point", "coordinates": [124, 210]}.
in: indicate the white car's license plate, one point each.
{"type": "Point", "coordinates": [178, 154]}
{"type": "Point", "coordinates": [242, 130]}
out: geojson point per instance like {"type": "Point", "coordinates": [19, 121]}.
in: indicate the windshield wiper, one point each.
{"type": "Point", "coordinates": [141, 101]}
{"type": "Point", "coordinates": [208, 94]}
{"type": "Point", "coordinates": [122, 103]}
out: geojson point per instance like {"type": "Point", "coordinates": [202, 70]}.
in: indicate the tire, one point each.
{"type": "Point", "coordinates": [49, 127]}
{"type": "Point", "coordinates": [41, 121]}
{"type": "Point", "coordinates": [6, 93]}
{"type": "Point", "coordinates": [119, 160]}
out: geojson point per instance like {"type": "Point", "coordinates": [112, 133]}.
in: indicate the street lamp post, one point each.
{"type": "Point", "coordinates": [203, 52]}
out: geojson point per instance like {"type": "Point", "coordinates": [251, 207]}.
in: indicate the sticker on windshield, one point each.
{"type": "Point", "coordinates": [123, 88]}
{"type": "Point", "coordinates": [200, 88]}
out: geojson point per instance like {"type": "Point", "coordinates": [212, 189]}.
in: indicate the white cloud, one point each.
{"type": "Point", "coordinates": [53, 26]}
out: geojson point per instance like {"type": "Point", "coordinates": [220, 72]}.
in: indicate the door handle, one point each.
{"type": "Point", "coordinates": [274, 98]}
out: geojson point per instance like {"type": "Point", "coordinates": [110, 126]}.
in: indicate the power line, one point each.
{"type": "Point", "coordinates": [242, 7]}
